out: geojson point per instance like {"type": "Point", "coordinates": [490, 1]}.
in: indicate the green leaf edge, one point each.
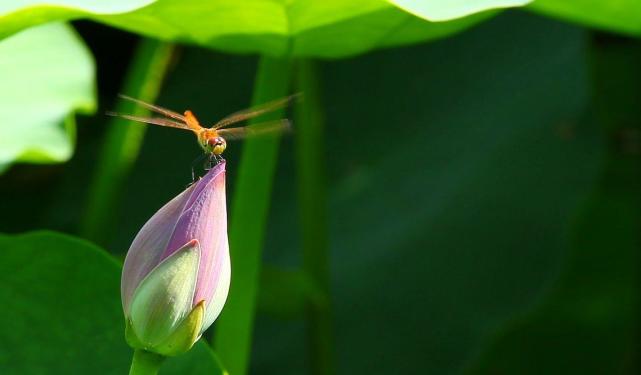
{"type": "Point", "coordinates": [522, 3]}
{"type": "Point", "coordinates": [36, 14]}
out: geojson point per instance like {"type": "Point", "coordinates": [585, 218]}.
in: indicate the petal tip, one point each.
{"type": "Point", "coordinates": [191, 243]}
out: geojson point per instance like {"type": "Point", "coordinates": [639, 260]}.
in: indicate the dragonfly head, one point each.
{"type": "Point", "coordinates": [216, 145]}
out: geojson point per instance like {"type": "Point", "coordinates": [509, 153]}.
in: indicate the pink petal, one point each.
{"type": "Point", "coordinates": [205, 219]}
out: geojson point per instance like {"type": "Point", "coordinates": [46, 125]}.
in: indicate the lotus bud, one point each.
{"type": "Point", "coordinates": [177, 271]}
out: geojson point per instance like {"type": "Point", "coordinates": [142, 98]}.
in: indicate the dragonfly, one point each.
{"type": "Point", "coordinates": [213, 139]}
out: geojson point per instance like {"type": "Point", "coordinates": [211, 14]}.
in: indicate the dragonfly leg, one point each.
{"type": "Point", "coordinates": [210, 162]}
{"type": "Point", "coordinates": [213, 161]}
{"type": "Point", "coordinates": [193, 166]}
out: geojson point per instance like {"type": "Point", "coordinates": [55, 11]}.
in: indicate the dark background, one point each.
{"type": "Point", "coordinates": [483, 197]}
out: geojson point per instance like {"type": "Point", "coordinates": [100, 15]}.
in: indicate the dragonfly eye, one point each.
{"type": "Point", "coordinates": [216, 141]}
{"type": "Point", "coordinates": [217, 145]}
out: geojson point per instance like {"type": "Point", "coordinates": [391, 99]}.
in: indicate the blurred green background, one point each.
{"type": "Point", "coordinates": [482, 196]}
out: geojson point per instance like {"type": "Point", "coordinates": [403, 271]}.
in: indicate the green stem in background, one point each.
{"type": "Point", "coordinates": [312, 202]}
{"type": "Point", "coordinates": [249, 211]}
{"type": "Point", "coordinates": [145, 363]}
{"type": "Point", "coordinates": [123, 140]}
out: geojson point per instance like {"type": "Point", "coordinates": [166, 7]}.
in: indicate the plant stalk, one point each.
{"type": "Point", "coordinates": [312, 203]}
{"type": "Point", "coordinates": [249, 211]}
{"type": "Point", "coordinates": [145, 363]}
{"type": "Point", "coordinates": [123, 140]}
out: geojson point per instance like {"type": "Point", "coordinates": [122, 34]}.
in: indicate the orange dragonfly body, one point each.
{"type": "Point", "coordinates": [214, 139]}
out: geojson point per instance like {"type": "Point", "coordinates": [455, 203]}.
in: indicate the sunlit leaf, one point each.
{"type": "Point", "coordinates": [65, 315]}
{"type": "Point", "coordinates": [447, 10]}
{"type": "Point", "coordinates": [331, 28]}
{"type": "Point", "coordinates": [46, 74]}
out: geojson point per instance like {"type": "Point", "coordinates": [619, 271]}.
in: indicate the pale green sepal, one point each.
{"type": "Point", "coordinates": [130, 336]}
{"type": "Point", "coordinates": [164, 298]}
{"type": "Point", "coordinates": [186, 335]}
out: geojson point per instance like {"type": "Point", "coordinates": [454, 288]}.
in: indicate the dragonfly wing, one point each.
{"type": "Point", "coordinates": [263, 128]}
{"type": "Point", "coordinates": [152, 120]}
{"type": "Point", "coordinates": [155, 108]}
{"type": "Point", "coordinates": [255, 111]}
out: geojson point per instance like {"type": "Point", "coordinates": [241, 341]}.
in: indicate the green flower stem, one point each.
{"type": "Point", "coordinates": [249, 211]}
{"type": "Point", "coordinates": [145, 363]}
{"type": "Point", "coordinates": [123, 139]}
{"type": "Point", "coordinates": [312, 202]}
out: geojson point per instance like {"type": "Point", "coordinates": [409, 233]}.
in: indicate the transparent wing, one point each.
{"type": "Point", "coordinates": [155, 108]}
{"type": "Point", "coordinates": [246, 114]}
{"type": "Point", "coordinates": [263, 128]}
{"type": "Point", "coordinates": [152, 120]}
